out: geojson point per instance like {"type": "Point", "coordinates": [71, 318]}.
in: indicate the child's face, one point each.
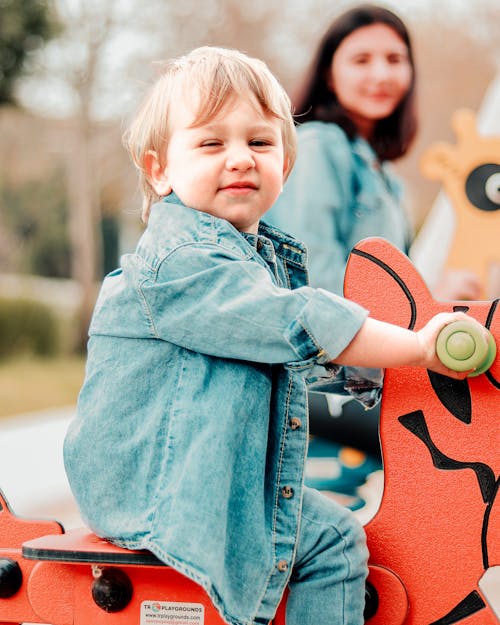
{"type": "Point", "coordinates": [231, 167]}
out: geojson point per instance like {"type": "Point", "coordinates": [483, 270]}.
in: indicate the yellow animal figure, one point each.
{"type": "Point", "coordinates": [470, 175]}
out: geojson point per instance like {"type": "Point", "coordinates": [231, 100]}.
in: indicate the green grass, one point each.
{"type": "Point", "coordinates": [31, 383]}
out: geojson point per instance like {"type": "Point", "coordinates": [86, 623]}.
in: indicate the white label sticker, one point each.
{"type": "Point", "coordinates": [172, 613]}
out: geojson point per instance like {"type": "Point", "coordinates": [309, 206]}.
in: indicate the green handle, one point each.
{"type": "Point", "coordinates": [461, 346]}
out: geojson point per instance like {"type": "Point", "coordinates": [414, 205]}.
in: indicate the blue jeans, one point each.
{"type": "Point", "coordinates": [327, 586]}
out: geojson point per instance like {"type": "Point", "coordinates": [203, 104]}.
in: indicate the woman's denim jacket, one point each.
{"type": "Point", "coordinates": [191, 431]}
{"type": "Point", "coordinates": [337, 194]}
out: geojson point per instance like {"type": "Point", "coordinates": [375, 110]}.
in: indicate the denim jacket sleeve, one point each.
{"type": "Point", "coordinates": [203, 295]}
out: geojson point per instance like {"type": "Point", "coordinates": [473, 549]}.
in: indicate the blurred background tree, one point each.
{"type": "Point", "coordinates": [36, 217]}
{"type": "Point", "coordinates": [24, 27]}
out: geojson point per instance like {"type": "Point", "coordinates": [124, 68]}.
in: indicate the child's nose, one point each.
{"type": "Point", "coordinates": [240, 157]}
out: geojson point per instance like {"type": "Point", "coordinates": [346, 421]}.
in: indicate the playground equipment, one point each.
{"type": "Point", "coordinates": [469, 172]}
{"type": "Point", "coordinates": [434, 542]}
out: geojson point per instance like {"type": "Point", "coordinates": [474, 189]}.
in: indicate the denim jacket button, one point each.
{"type": "Point", "coordinates": [295, 423]}
{"type": "Point", "coordinates": [287, 492]}
{"type": "Point", "coordinates": [282, 566]}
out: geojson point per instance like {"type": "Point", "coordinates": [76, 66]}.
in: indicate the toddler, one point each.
{"type": "Point", "coordinates": [191, 431]}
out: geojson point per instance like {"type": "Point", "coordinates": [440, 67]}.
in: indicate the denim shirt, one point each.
{"type": "Point", "coordinates": [191, 430]}
{"type": "Point", "coordinates": [337, 194]}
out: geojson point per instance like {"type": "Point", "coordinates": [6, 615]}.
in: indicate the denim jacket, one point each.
{"type": "Point", "coordinates": [337, 194]}
{"type": "Point", "coordinates": [191, 430]}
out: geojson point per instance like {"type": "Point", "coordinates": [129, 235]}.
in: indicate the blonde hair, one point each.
{"type": "Point", "coordinates": [217, 74]}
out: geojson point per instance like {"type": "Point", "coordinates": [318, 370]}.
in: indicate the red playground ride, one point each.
{"type": "Point", "coordinates": [434, 542]}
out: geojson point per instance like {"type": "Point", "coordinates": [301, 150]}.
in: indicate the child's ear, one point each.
{"type": "Point", "coordinates": [156, 174]}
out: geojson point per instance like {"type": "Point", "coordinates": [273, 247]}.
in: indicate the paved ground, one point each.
{"type": "Point", "coordinates": [32, 476]}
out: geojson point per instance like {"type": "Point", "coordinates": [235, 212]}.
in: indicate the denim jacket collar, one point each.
{"type": "Point", "coordinates": [285, 246]}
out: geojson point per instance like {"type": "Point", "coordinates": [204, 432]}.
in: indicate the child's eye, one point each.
{"type": "Point", "coordinates": [259, 143]}
{"type": "Point", "coordinates": [209, 143]}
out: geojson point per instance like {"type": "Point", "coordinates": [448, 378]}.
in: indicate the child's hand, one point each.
{"type": "Point", "coordinates": [427, 338]}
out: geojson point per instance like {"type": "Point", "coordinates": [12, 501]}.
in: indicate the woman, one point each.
{"type": "Point", "coordinates": [356, 113]}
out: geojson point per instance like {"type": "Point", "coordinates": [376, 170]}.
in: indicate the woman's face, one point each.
{"type": "Point", "coordinates": [370, 73]}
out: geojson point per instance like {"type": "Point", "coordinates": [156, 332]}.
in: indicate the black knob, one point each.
{"type": "Point", "coordinates": [11, 577]}
{"type": "Point", "coordinates": [112, 590]}
{"type": "Point", "coordinates": [371, 601]}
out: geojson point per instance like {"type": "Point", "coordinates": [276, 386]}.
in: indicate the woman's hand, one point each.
{"type": "Point", "coordinates": [458, 284]}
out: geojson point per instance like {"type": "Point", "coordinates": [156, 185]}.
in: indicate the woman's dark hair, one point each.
{"type": "Point", "coordinates": [313, 100]}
